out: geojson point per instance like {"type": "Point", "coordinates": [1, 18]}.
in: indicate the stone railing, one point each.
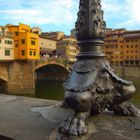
{"type": "Point", "coordinates": [62, 61]}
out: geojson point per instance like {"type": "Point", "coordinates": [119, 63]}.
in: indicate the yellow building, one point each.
{"type": "Point", "coordinates": [26, 43]}
{"type": "Point", "coordinates": [122, 47]}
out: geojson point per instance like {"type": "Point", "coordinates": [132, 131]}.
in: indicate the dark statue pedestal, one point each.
{"type": "Point", "coordinates": [92, 85]}
{"type": "Point", "coordinates": [106, 126]}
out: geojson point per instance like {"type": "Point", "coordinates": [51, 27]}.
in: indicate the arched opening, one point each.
{"type": "Point", "coordinates": [49, 81]}
{"type": "Point", "coordinates": [3, 86]}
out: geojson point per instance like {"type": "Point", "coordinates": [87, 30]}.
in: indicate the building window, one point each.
{"type": "Point", "coordinates": [16, 33]}
{"type": "Point", "coordinates": [16, 45]}
{"type": "Point", "coordinates": [31, 53]}
{"type": "Point", "coordinates": [32, 42]}
{"type": "Point", "coordinates": [7, 52]}
{"type": "Point", "coordinates": [22, 41]}
{"type": "Point", "coordinates": [127, 40]}
{"type": "Point", "coordinates": [23, 52]}
{"type": "Point", "coordinates": [34, 53]}
{"type": "Point", "coordinates": [8, 42]}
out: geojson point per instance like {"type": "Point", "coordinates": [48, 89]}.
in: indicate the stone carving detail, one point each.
{"type": "Point", "coordinates": [92, 85]}
{"type": "Point", "coordinates": [90, 23]}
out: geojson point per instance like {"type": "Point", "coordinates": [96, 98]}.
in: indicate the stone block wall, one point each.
{"type": "Point", "coordinates": [21, 78]}
{"type": "Point", "coordinates": [127, 71]}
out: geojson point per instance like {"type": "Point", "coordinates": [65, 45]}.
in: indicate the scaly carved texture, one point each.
{"type": "Point", "coordinates": [90, 24]}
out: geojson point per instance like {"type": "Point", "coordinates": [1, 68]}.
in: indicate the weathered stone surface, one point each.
{"type": "Point", "coordinates": [21, 78]}
{"type": "Point", "coordinates": [24, 118]}
{"type": "Point", "coordinates": [107, 135]}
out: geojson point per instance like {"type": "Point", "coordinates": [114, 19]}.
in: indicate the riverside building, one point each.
{"type": "Point", "coordinates": [67, 48]}
{"type": "Point", "coordinates": [122, 47]}
{"type": "Point", "coordinates": [53, 35]}
{"type": "Point", "coordinates": [25, 42]}
{"type": "Point", "coordinates": [6, 44]}
{"type": "Point", "coordinates": [47, 46]}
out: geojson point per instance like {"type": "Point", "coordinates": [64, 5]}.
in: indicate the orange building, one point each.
{"type": "Point", "coordinates": [122, 47]}
{"type": "Point", "coordinates": [26, 43]}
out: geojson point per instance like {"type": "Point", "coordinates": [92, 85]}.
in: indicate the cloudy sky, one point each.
{"type": "Point", "coordinates": [60, 15]}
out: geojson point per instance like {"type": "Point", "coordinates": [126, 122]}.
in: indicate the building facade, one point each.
{"type": "Point", "coordinates": [36, 30]}
{"type": "Point", "coordinates": [25, 42]}
{"type": "Point", "coordinates": [53, 35]}
{"type": "Point", "coordinates": [67, 48]}
{"type": "Point", "coordinates": [6, 44]}
{"type": "Point", "coordinates": [122, 47]}
{"type": "Point", "coordinates": [47, 46]}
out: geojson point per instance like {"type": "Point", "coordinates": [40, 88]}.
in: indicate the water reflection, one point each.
{"type": "Point", "coordinates": [52, 89]}
{"type": "Point", "coordinates": [136, 98]}
{"type": "Point", "coordinates": [49, 89]}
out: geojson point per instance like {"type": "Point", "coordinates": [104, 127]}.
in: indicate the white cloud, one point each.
{"type": "Point", "coordinates": [133, 12]}
{"type": "Point", "coordinates": [124, 12]}
{"type": "Point", "coordinates": [118, 13]}
{"type": "Point", "coordinates": [111, 6]}
{"type": "Point", "coordinates": [40, 12]}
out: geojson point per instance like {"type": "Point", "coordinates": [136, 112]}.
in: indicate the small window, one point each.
{"type": "Point", "coordinates": [16, 33]}
{"type": "Point", "coordinates": [7, 52]}
{"type": "Point", "coordinates": [16, 45]}
{"type": "Point", "coordinates": [22, 41]}
{"type": "Point", "coordinates": [31, 53]}
{"type": "Point", "coordinates": [32, 42]}
{"type": "Point", "coordinates": [23, 52]}
{"type": "Point", "coordinates": [6, 42]}
{"type": "Point", "coordinates": [34, 53]}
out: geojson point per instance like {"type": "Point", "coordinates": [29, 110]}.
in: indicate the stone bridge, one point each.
{"type": "Point", "coordinates": [18, 77]}
{"type": "Point", "coordinates": [4, 71]}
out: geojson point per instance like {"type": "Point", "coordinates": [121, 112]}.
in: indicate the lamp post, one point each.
{"type": "Point", "coordinates": [92, 85]}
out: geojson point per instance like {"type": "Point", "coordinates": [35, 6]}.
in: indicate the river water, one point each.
{"type": "Point", "coordinates": [54, 90]}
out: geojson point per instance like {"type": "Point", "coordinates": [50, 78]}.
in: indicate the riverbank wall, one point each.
{"type": "Point", "coordinates": [125, 71]}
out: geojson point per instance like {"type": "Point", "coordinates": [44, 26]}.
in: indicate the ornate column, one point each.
{"type": "Point", "coordinates": [90, 28]}
{"type": "Point", "coordinates": [92, 85]}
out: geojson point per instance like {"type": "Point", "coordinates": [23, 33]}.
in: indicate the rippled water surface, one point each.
{"type": "Point", "coordinates": [54, 90]}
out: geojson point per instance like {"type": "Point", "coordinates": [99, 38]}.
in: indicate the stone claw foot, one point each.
{"type": "Point", "coordinates": [126, 109]}
{"type": "Point", "coordinates": [74, 125]}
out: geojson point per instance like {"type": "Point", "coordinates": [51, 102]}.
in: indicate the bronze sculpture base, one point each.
{"type": "Point", "coordinates": [91, 88]}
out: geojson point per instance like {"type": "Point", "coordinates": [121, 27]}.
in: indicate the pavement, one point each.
{"type": "Point", "coordinates": [23, 118]}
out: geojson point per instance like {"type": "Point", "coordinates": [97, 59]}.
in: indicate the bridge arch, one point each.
{"type": "Point", "coordinates": [3, 85]}
{"type": "Point", "coordinates": [49, 80]}
{"type": "Point", "coordinates": [51, 71]}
